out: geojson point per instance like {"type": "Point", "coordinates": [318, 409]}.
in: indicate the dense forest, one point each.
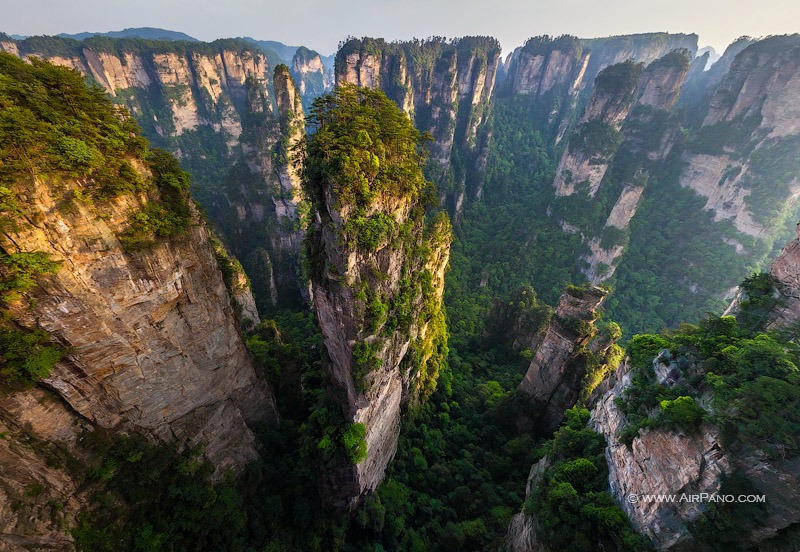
{"type": "Point", "coordinates": [464, 455]}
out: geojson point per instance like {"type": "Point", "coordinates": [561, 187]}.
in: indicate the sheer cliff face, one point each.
{"type": "Point", "coordinates": [309, 72]}
{"type": "Point", "coordinates": [197, 87]}
{"type": "Point", "coordinates": [377, 272]}
{"type": "Point", "coordinates": [627, 129]}
{"type": "Point", "coordinates": [743, 159]}
{"type": "Point", "coordinates": [444, 87]}
{"type": "Point", "coordinates": [153, 340]}
{"type": "Point", "coordinates": [41, 493]}
{"type": "Point", "coordinates": [659, 462]}
{"type": "Point", "coordinates": [573, 63]}
{"type": "Point", "coordinates": [786, 270]}
{"type": "Point", "coordinates": [377, 370]}
{"type": "Point", "coordinates": [213, 105]}
{"type": "Point", "coordinates": [557, 71]}
{"type": "Point", "coordinates": [555, 376]}
{"type": "Point", "coordinates": [594, 141]}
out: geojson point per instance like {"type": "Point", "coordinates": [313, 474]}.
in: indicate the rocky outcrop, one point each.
{"type": "Point", "coordinates": [659, 462]}
{"type": "Point", "coordinates": [556, 71]}
{"type": "Point", "coordinates": [786, 271]}
{"type": "Point", "coordinates": [543, 64]}
{"type": "Point", "coordinates": [643, 48]}
{"type": "Point", "coordinates": [594, 141]}
{"type": "Point", "coordinates": [153, 340]}
{"type": "Point", "coordinates": [703, 80]}
{"type": "Point", "coordinates": [521, 535]}
{"type": "Point", "coordinates": [212, 105]}
{"type": "Point", "coordinates": [740, 160]}
{"type": "Point", "coordinates": [41, 463]}
{"type": "Point", "coordinates": [312, 77]}
{"type": "Point", "coordinates": [377, 278]}
{"type": "Point", "coordinates": [648, 135]}
{"type": "Point", "coordinates": [444, 86]}
{"type": "Point", "coordinates": [555, 377]}
{"type": "Point", "coordinates": [377, 370]}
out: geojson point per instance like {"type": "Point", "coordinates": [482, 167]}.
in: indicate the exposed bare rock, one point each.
{"type": "Point", "coordinates": [786, 269]}
{"type": "Point", "coordinates": [310, 74]}
{"type": "Point", "coordinates": [627, 137]}
{"type": "Point", "coordinates": [154, 344]}
{"type": "Point", "coordinates": [41, 464]}
{"type": "Point", "coordinates": [625, 206]}
{"type": "Point", "coordinates": [559, 70]}
{"type": "Point", "coordinates": [703, 80]}
{"type": "Point", "coordinates": [659, 462]}
{"type": "Point", "coordinates": [217, 90]}
{"type": "Point", "coordinates": [602, 261]}
{"type": "Point", "coordinates": [9, 47]}
{"type": "Point", "coordinates": [593, 143]}
{"type": "Point", "coordinates": [553, 380]}
{"type": "Point", "coordinates": [662, 81]}
{"type": "Point", "coordinates": [643, 48]}
{"type": "Point", "coordinates": [521, 534]}
{"type": "Point", "coordinates": [754, 111]}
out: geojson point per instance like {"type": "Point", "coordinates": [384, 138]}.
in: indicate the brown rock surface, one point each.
{"type": "Point", "coordinates": [154, 344]}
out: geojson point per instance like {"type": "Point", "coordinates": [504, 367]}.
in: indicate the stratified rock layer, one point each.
{"type": "Point", "coordinates": [153, 340]}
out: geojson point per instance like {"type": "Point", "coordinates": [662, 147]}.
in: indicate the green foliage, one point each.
{"type": "Point", "coordinates": [681, 413]}
{"type": "Point", "coordinates": [51, 123]}
{"type": "Point", "coordinates": [372, 232]}
{"type": "Point", "coordinates": [595, 138]}
{"type": "Point", "coordinates": [363, 147]}
{"type": "Point", "coordinates": [619, 80]}
{"type": "Point", "coordinates": [752, 378]}
{"type": "Point", "coordinates": [644, 348]}
{"type": "Point", "coordinates": [19, 271]}
{"type": "Point", "coordinates": [731, 136]}
{"type": "Point", "coordinates": [570, 501]}
{"type": "Point", "coordinates": [365, 361]}
{"type": "Point", "coordinates": [167, 216]}
{"type": "Point", "coordinates": [772, 168]}
{"type": "Point", "coordinates": [27, 356]}
{"type": "Point", "coordinates": [171, 504]}
{"type": "Point", "coordinates": [355, 443]}
{"type": "Point", "coordinates": [760, 302]}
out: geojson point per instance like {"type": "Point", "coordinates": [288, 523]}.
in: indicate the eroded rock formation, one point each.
{"type": "Point", "coordinates": [377, 277]}
{"type": "Point", "coordinates": [555, 377]}
{"type": "Point", "coordinates": [445, 87]}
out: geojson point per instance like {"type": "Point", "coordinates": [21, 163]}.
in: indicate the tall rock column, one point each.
{"type": "Point", "coordinates": [559, 373]}
{"type": "Point", "coordinates": [594, 141]}
{"type": "Point", "coordinates": [139, 301]}
{"type": "Point", "coordinates": [377, 271]}
{"type": "Point", "coordinates": [445, 87]}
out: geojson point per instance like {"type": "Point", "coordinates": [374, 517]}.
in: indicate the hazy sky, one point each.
{"type": "Point", "coordinates": [321, 24]}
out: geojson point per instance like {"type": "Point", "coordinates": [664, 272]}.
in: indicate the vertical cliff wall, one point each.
{"type": "Point", "coordinates": [742, 159]}
{"type": "Point", "coordinates": [571, 358]}
{"type": "Point", "coordinates": [153, 338]}
{"type": "Point", "coordinates": [445, 87]}
{"type": "Point", "coordinates": [594, 141]}
{"type": "Point", "coordinates": [560, 72]}
{"type": "Point", "coordinates": [377, 272]}
{"type": "Point", "coordinates": [116, 301]}
{"type": "Point", "coordinates": [313, 78]}
{"type": "Point", "coordinates": [213, 106]}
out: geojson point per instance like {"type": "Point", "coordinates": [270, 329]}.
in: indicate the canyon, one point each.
{"type": "Point", "coordinates": [654, 181]}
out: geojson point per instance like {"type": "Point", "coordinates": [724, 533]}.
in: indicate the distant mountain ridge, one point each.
{"type": "Point", "coordinates": [151, 33]}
